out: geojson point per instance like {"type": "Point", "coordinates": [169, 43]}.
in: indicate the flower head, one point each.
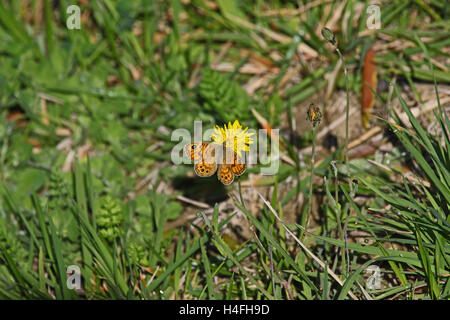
{"type": "Point", "coordinates": [233, 137]}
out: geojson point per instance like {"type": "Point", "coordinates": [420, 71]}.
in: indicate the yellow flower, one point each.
{"type": "Point", "coordinates": [233, 137]}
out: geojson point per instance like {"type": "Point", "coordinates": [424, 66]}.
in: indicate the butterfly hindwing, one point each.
{"type": "Point", "coordinates": [204, 169]}
{"type": "Point", "coordinates": [225, 174]}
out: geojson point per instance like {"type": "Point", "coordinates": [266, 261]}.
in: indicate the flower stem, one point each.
{"type": "Point", "coordinates": [240, 192]}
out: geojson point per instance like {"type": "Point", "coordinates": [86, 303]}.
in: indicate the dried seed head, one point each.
{"type": "Point", "coordinates": [313, 114]}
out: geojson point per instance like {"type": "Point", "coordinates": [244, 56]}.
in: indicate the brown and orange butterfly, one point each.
{"type": "Point", "coordinates": [205, 164]}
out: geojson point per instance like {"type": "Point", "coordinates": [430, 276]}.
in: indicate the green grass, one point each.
{"type": "Point", "coordinates": [85, 140]}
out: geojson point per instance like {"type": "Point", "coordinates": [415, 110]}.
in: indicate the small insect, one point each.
{"type": "Point", "coordinates": [314, 115]}
{"type": "Point", "coordinates": [205, 163]}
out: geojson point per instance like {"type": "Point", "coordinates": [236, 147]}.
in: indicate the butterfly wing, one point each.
{"type": "Point", "coordinates": [194, 151]}
{"type": "Point", "coordinates": [202, 153]}
{"type": "Point", "coordinates": [235, 162]}
{"type": "Point", "coordinates": [204, 169]}
{"type": "Point", "coordinates": [238, 166]}
{"type": "Point", "coordinates": [225, 174]}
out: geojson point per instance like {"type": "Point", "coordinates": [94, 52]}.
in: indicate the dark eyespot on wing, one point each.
{"type": "Point", "coordinates": [225, 175]}
{"type": "Point", "coordinates": [204, 169]}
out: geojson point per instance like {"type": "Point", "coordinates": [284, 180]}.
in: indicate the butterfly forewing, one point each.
{"type": "Point", "coordinates": [238, 166]}
{"type": "Point", "coordinates": [200, 152]}
{"type": "Point", "coordinates": [235, 162]}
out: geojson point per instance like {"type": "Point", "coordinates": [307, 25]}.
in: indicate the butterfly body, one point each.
{"type": "Point", "coordinates": [209, 158]}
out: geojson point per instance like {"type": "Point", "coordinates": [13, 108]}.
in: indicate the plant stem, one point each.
{"type": "Point", "coordinates": [347, 111]}
{"type": "Point", "coordinates": [240, 193]}
{"type": "Point", "coordinates": [313, 160]}
{"type": "Point", "coordinates": [346, 257]}
{"type": "Point", "coordinates": [336, 201]}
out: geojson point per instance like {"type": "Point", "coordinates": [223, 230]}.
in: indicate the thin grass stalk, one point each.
{"type": "Point", "coordinates": [329, 36]}
{"type": "Point", "coordinates": [313, 160]}
{"type": "Point", "coordinates": [347, 111]}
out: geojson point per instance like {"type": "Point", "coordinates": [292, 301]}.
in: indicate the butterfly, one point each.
{"type": "Point", "coordinates": [205, 163]}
